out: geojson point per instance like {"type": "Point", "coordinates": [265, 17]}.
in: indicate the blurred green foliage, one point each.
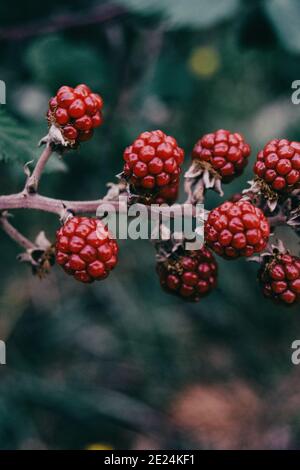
{"type": "Point", "coordinates": [104, 363]}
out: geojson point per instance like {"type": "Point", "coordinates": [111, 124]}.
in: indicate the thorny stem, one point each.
{"type": "Point", "coordinates": [33, 180]}
{"type": "Point", "coordinates": [24, 200]}
{"type": "Point", "coordinates": [30, 199]}
{"type": "Point", "coordinates": [14, 234]}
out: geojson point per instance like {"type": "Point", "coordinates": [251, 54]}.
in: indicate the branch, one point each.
{"type": "Point", "coordinates": [33, 180]}
{"type": "Point", "coordinates": [97, 14]}
{"type": "Point", "coordinates": [24, 200]}
{"type": "Point", "coordinates": [14, 234]}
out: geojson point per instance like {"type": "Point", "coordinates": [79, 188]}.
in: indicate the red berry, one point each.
{"type": "Point", "coordinates": [85, 249]}
{"type": "Point", "coordinates": [278, 165]}
{"type": "Point", "coordinates": [159, 160]}
{"type": "Point", "coordinates": [236, 229]}
{"type": "Point", "coordinates": [226, 152]}
{"type": "Point", "coordinates": [189, 275]}
{"type": "Point", "coordinates": [280, 278]}
{"type": "Point", "coordinates": [76, 111]}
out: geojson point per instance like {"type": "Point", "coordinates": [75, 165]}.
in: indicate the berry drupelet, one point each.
{"type": "Point", "coordinates": [152, 162]}
{"type": "Point", "coordinates": [85, 249]}
{"type": "Point", "coordinates": [278, 166]}
{"type": "Point", "coordinates": [222, 152]}
{"type": "Point", "coordinates": [236, 229]}
{"type": "Point", "coordinates": [191, 275]}
{"type": "Point", "coordinates": [280, 278]}
{"type": "Point", "coordinates": [76, 112]}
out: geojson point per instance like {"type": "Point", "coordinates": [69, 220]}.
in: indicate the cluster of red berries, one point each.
{"type": "Point", "coordinates": [152, 165]}
{"type": "Point", "coordinates": [280, 278]}
{"type": "Point", "coordinates": [190, 276]}
{"type": "Point", "coordinates": [237, 229]}
{"type": "Point", "coordinates": [278, 165]}
{"type": "Point", "coordinates": [225, 152]}
{"type": "Point", "coordinates": [76, 111]}
{"type": "Point", "coordinates": [85, 249]}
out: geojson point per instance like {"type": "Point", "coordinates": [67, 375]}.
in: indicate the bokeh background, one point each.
{"type": "Point", "coordinates": [121, 364]}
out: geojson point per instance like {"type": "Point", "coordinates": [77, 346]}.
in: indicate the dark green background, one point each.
{"type": "Point", "coordinates": [121, 363]}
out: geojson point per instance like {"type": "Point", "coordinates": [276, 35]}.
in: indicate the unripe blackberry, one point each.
{"type": "Point", "coordinates": [280, 278]}
{"type": "Point", "coordinates": [152, 162]}
{"type": "Point", "coordinates": [278, 167]}
{"type": "Point", "coordinates": [222, 152]}
{"type": "Point", "coordinates": [236, 229]}
{"type": "Point", "coordinates": [76, 112]}
{"type": "Point", "coordinates": [190, 275]}
{"type": "Point", "coordinates": [85, 249]}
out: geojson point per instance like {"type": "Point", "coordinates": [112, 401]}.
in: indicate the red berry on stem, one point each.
{"type": "Point", "coordinates": [161, 159]}
{"type": "Point", "coordinates": [190, 275]}
{"type": "Point", "coordinates": [279, 277]}
{"type": "Point", "coordinates": [236, 229]}
{"type": "Point", "coordinates": [226, 152]}
{"type": "Point", "coordinates": [283, 158]}
{"type": "Point", "coordinates": [85, 249]}
{"type": "Point", "coordinates": [76, 111]}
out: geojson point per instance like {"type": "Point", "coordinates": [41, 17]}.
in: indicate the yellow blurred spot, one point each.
{"type": "Point", "coordinates": [99, 446]}
{"type": "Point", "coordinates": [204, 61]}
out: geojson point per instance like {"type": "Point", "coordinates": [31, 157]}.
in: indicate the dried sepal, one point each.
{"type": "Point", "coordinates": [116, 190]}
{"type": "Point", "coordinates": [41, 257]}
{"type": "Point", "coordinates": [168, 244]}
{"type": "Point", "coordinates": [294, 220]}
{"type": "Point", "coordinates": [199, 177]}
{"type": "Point", "coordinates": [272, 249]}
{"type": "Point", "coordinates": [258, 187]}
{"type": "Point", "coordinates": [57, 141]}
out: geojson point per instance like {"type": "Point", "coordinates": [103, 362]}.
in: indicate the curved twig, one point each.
{"type": "Point", "coordinates": [14, 234]}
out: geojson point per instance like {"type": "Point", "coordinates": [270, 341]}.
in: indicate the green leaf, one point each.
{"type": "Point", "coordinates": [285, 16]}
{"type": "Point", "coordinates": [14, 140]}
{"type": "Point", "coordinates": [191, 13]}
